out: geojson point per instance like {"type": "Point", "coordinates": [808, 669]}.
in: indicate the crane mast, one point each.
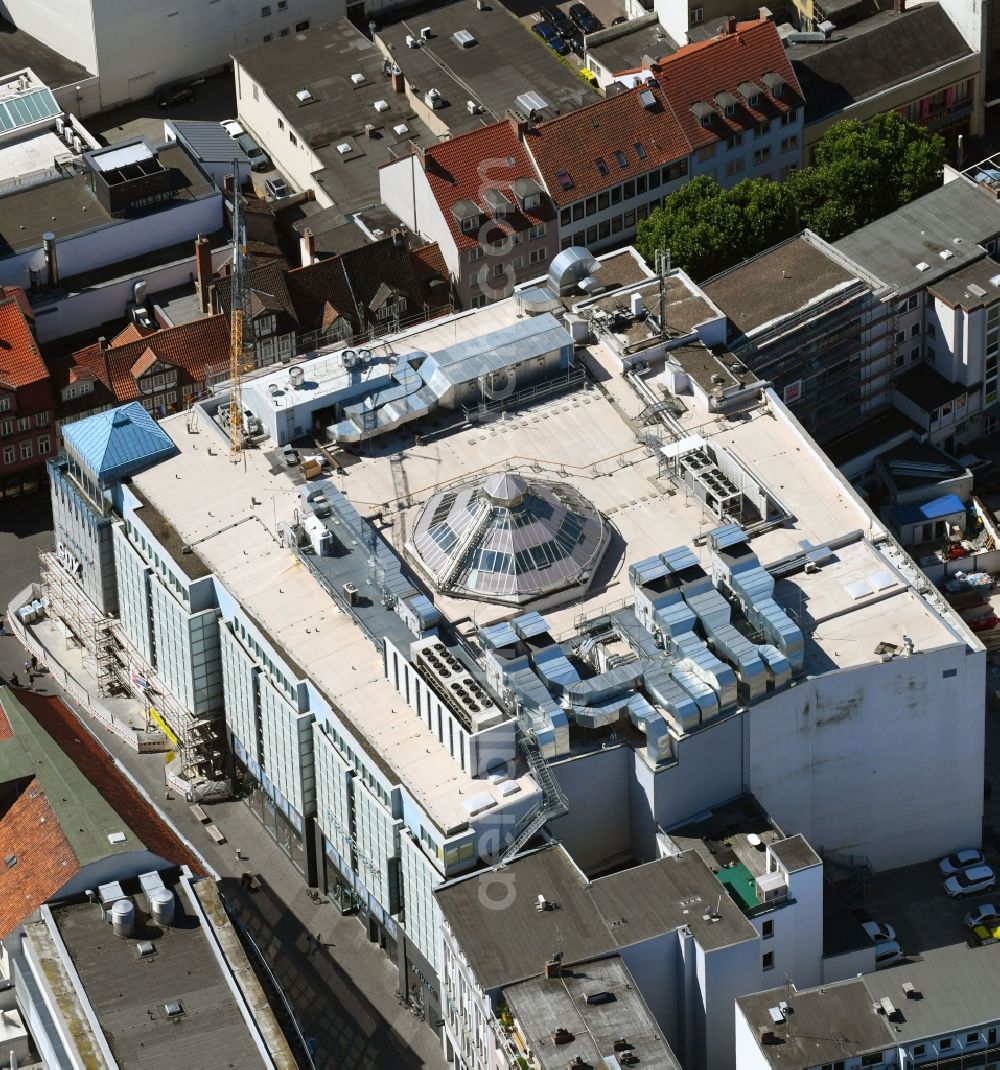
{"type": "Point", "coordinates": [237, 341]}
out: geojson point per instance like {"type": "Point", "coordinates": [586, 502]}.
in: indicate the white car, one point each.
{"type": "Point", "coordinates": [880, 932]}
{"type": "Point", "coordinates": [984, 914]}
{"type": "Point", "coordinates": [960, 860]}
{"type": "Point", "coordinates": [886, 953]}
{"type": "Point", "coordinates": [971, 881]}
{"type": "Point", "coordinates": [232, 128]}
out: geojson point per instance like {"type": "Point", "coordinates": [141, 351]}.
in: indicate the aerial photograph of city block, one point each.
{"type": "Point", "coordinates": [499, 535]}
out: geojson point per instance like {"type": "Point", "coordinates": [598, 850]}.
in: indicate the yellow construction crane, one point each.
{"type": "Point", "coordinates": [238, 362]}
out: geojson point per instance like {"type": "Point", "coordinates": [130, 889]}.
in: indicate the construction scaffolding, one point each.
{"type": "Point", "coordinates": [82, 620]}
{"type": "Point", "coordinates": [120, 669]}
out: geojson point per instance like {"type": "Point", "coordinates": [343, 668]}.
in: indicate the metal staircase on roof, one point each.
{"type": "Point", "coordinates": [553, 803]}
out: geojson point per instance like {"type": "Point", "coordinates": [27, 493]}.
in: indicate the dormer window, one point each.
{"type": "Point", "coordinates": [704, 112]}
{"type": "Point", "coordinates": [469, 225]}
{"type": "Point", "coordinates": [751, 93]}
{"type": "Point", "coordinates": [775, 83]}
{"type": "Point", "coordinates": [532, 200]}
{"type": "Point", "coordinates": [728, 103]}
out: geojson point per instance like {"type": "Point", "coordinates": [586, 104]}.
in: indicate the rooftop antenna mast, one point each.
{"type": "Point", "coordinates": [662, 270]}
{"type": "Point", "coordinates": [238, 347]}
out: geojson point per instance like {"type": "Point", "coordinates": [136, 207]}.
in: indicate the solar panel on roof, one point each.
{"type": "Point", "coordinates": [30, 108]}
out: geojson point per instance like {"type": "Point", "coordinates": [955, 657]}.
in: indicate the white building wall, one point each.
{"type": "Point", "coordinates": [66, 26]}
{"type": "Point", "coordinates": [130, 238]}
{"type": "Point", "coordinates": [133, 576]}
{"type": "Point", "coordinates": [287, 747]}
{"type": "Point", "coordinates": [238, 671]}
{"type": "Point", "coordinates": [748, 1052]}
{"type": "Point", "coordinates": [724, 974]}
{"type": "Point", "coordinates": [334, 778]}
{"type": "Point", "coordinates": [187, 651]}
{"type": "Point", "coordinates": [376, 842]}
{"type": "Point", "coordinates": [594, 836]}
{"type": "Point", "coordinates": [812, 758]}
{"type": "Point", "coordinates": [405, 190]}
{"type": "Point", "coordinates": [258, 113]}
{"type": "Point", "coordinates": [422, 914]}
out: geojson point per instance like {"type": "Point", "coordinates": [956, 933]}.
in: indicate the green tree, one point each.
{"type": "Point", "coordinates": [862, 172]}
{"type": "Point", "coordinates": [707, 228]}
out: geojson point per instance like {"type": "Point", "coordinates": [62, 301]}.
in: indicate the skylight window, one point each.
{"type": "Point", "coordinates": [601, 165]}
{"type": "Point", "coordinates": [620, 157]}
{"type": "Point", "coordinates": [639, 150]}
{"type": "Point", "coordinates": [564, 180]}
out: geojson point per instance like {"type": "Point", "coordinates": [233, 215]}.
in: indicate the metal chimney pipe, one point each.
{"type": "Point", "coordinates": [49, 249]}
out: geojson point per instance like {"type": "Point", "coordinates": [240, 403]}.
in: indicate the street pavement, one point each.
{"type": "Point", "coordinates": [343, 992]}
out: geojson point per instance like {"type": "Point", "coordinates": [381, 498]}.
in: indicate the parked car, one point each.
{"type": "Point", "coordinates": [172, 95]}
{"type": "Point", "coordinates": [559, 21]}
{"type": "Point", "coordinates": [987, 933]}
{"type": "Point", "coordinates": [259, 160]}
{"type": "Point", "coordinates": [548, 34]}
{"type": "Point", "coordinates": [232, 128]}
{"type": "Point", "coordinates": [971, 881]}
{"type": "Point", "coordinates": [983, 624]}
{"type": "Point", "coordinates": [879, 932]}
{"type": "Point", "coordinates": [291, 456]}
{"type": "Point", "coordinates": [886, 953]}
{"type": "Point", "coordinates": [584, 19]}
{"type": "Point", "coordinates": [960, 860]}
{"type": "Point", "coordinates": [983, 914]}
{"type": "Point", "coordinates": [276, 188]}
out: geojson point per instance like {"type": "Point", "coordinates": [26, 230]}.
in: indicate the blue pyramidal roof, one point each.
{"type": "Point", "coordinates": [118, 443]}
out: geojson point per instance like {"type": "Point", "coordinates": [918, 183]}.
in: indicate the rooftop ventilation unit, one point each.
{"type": "Point", "coordinates": [381, 105]}
{"type": "Point", "coordinates": [343, 148]}
{"type": "Point", "coordinates": [303, 96]}
{"type": "Point", "coordinates": [145, 949]}
{"type": "Point", "coordinates": [412, 42]}
{"type": "Point", "coordinates": [400, 129]}
{"type": "Point", "coordinates": [358, 79]}
{"type": "Point", "coordinates": [433, 99]}
{"type": "Point", "coordinates": [472, 107]}
{"type": "Point", "coordinates": [463, 39]}
{"type": "Point", "coordinates": [425, 33]}
{"type": "Point", "coordinates": [922, 266]}
{"type": "Point", "coordinates": [946, 254]}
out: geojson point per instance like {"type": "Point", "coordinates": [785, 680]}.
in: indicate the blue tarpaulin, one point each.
{"type": "Point", "coordinates": [936, 509]}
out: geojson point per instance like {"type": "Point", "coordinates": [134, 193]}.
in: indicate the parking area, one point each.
{"type": "Point", "coordinates": [605, 11]}
{"type": "Point", "coordinates": [214, 99]}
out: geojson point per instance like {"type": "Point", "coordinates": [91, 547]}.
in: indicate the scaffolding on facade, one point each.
{"type": "Point", "coordinates": [840, 356]}
{"type": "Point", "coordinates": [82, 620]}
{"type": "Point", "coordinates": [196, 739]}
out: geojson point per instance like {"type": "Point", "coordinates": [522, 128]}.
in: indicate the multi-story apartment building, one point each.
{"type": "Point", "coordinates": [370, 658]}
{"type": "Point", "coordinates": [479, 198]}
{"type": "Point", "coordinates": [937, 1010]}
{"type": "Point", "coordinates": [26, 400]}
{"type": "Point", "coordinates": [894, 316]}
{"type": "Point", "coordinates": [729, 107]}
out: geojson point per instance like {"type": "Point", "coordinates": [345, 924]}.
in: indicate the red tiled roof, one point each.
{"type": "Point", "coordinates": [20, 362]}
{"type": "Point", "coordinates": [22, 299]}
{"type": "Point", "coordinates": [572, 144]}
{"type": "Point", "coordinates": [463, 168]}
{"type": "Point", "coordinates": [188, 347]}
{"type": "Point", "coordinates": [132, 333]}
{"type": "Point", "coordinates": [44, 860]}
{"type": "Point", "coordinates": [700, 71]}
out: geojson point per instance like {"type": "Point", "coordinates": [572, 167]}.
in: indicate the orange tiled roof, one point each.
{"type": "Point", "coordinates": [43, 859]}
{"type": "Point", "coordinates": [568, 149]}
{"type": "Point", "coordinates": [132, 333]}
{"type": "Point", "coordinates": [188, 347]}
{"type": "Point", "coordinates": [463, 168]}
{"type": "Point", "coordinates": [698, 72]}
{"type": "Point", "coordinates": [20, 362]}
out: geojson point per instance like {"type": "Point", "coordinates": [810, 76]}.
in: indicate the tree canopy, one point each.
{"type": "Point", "coordinates": [862, 171]}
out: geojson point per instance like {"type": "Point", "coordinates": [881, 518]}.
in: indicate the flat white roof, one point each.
{"type": "Point", "coordinates": [587, 438]}
{"type": "Point", "coordinates": [208, 500]}
{"type": "Point", "coordinates": [31, 154]}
